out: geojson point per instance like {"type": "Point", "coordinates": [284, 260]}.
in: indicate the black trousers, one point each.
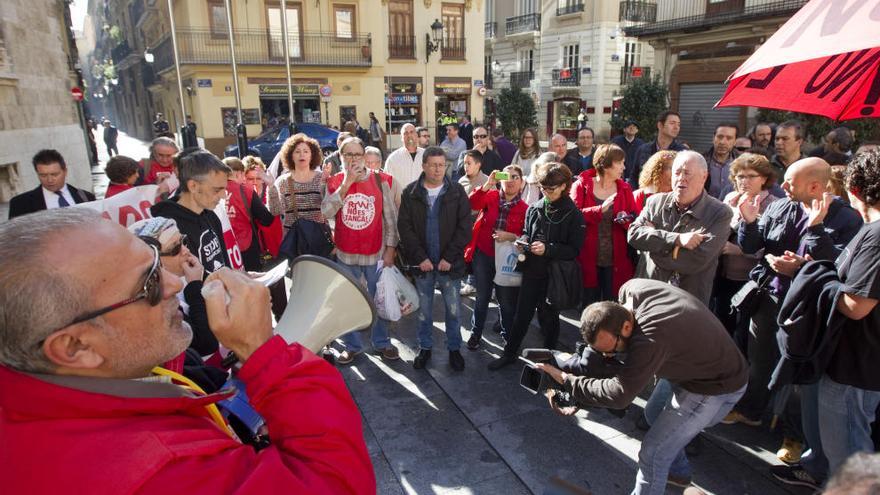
{"type": "Point", "coordinates": [533, 297]}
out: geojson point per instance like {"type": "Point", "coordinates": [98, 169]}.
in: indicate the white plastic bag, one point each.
{"type": "Point", "coordinates": [505, 265]}
{"type": "Point", "coordinates": [395, 296]}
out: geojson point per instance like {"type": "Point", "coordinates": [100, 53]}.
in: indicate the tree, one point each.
{"type": "Point", "coordinates": [816, 127]}
{"type": "Point", "coordinates": [643, 100]}
{"type": "Point", "coordinates": [516, 111]}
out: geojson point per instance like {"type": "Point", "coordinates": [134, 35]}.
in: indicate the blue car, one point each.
{"type": "Point", "coordinates": [268, 144]}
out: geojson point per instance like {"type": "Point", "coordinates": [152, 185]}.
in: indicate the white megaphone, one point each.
{"type": "Point", "coordinates": [325, 303]}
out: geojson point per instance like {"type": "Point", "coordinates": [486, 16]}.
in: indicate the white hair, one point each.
{"type": "Point", "coordinates": [372, 150]}
{"type": "Point", "coordinates": [686, 156]}
{"type": "Point", "coordinates": [405, 126]}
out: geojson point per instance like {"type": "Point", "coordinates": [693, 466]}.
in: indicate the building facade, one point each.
{"type": "Point", "coordinates": [348, 58]}
{"type": "Point", "coordinates": [38, 64]}
{"type": "Point", "coordinates": [569, 55]}
{"type": "Point", "coordinates": [698, 44]}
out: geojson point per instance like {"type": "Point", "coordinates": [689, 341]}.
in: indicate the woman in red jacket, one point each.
{"type": "Point", "coordinates": [501, 219]}
{"type": "Point", "coordinates": [607, 204]}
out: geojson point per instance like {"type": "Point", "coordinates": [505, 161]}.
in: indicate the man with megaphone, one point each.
{"type": "Point", "coordinates": [84, 408]}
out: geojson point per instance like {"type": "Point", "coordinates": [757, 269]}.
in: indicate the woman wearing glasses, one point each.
{"type": "Point", "coordinates": [500, 219]}
{"type": "Point", "coordinates": [529, 150]}
{"type": "Point", "coordinates": [554, 229]}
{"type": "Point", "coordinates": [752, 177]}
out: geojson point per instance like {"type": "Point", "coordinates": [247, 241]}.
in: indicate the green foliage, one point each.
{"type": "Point", "coordinates": [516, 111]}
{"type": "Point", "coordinates": [643, 100]}
{"type": "Point", "coordinates": [116, 35]}
{"type": "Point", "coordinates": [816, 126]}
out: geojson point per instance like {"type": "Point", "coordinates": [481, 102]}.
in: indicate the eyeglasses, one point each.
{"type": "Point", "coordinates": [613, 348]}
{"type": "Point", "coordinates": [177, 247]}
{"type": "Point", "coordinates": [151, 291]}
{"type": "Point", "coordinates": [550, 188]}
{"type": "Point", "coordinates": [747, 177]}
{"type": "Point", "coordinates": [352, 156]}
{"type": "Point", "coordinates": [480, 136]}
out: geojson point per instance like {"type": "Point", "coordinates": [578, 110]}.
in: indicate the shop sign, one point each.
{"type": "Point", "coordinates": [409, 88]}
{"type": "Point", "coordinates": [478, 83]}
{"type": "Point", "coordinates": [281, 90]}
{"type": "Point", "coordinates": [204, 83]}
{"type": "Point", "coordinates": [452, 88]}
{"type": "Point", "coordinates": [403, 100]}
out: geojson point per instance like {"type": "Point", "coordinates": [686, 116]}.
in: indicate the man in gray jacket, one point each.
{"type": "Point", "coordinates": [681, 233]}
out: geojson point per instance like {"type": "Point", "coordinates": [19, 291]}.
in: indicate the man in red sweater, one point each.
{"type": "Point", "coordinates": [79, 411]}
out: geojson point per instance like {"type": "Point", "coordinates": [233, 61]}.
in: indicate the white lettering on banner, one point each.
{"type": "Point", "coordinates": [358, 211]}
{"type": "Point", "coordinates": [232, 249]}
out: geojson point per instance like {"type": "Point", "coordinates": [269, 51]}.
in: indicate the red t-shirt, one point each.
{"type": "Point", "coordinates": [359, 221]}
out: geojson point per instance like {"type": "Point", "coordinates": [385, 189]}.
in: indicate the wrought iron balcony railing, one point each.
{"type": "Point", "coordinates": [489, 29]}
{"type": "Point", "coordinates": [636, 11]}
{"type": "Point", "coordinates": [567, 77]}
{"type": "Point", "coordinates": [523, 24]}
{"type": "Point", "coordinates": [570, 8]}
{"type": "Point", "coordinates": [402, 46]}
{"type": "Point", "coordinates": [453, 49]}
{"type": "Point", "coordinates": [682, 15]}
{"type": "Point", "coordinates": [627, 74]}
{"type": "Point", "coordinates": [119, 52]}
{"type": "Point", "coordinates": [521, 79]}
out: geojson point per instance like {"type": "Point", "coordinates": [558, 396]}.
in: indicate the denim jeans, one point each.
{"type": "Point", "coordinates": [657, 401]}
{"type": "Point", "coordinates": [812, 460]}
{"type": "Point", "coordinates": [449, 289]}
{"type": "Point", "coordinates": [681, 420]}
{"type": "Point", "coordinates": [352, 340]}
{"type": "Point", "coordinates": [484, 272]}
{"type": "Point", "coordinates": [845, 417]}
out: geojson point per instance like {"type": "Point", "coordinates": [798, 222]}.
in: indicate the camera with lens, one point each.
{"type": "Point", "coordinates": [535, 380]}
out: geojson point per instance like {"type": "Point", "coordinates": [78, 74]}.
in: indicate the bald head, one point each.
{"type": "Point", "coordinates": [806, 180]}
{"type": "Point", "coordinates": [559, 145]}
{"type": "Point", "coordinates": [812, 168]}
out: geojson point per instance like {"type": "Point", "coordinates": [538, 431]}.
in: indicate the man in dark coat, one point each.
{"type": "Point", "coordinates": [53, 191]}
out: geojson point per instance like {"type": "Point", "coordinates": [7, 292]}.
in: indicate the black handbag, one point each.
{"type": "Point", "coordinates": [306, 236]}
{"type": "Point", "coordinates": [565, 285]}
{"type": "Point", "coordinates": [747, 297]}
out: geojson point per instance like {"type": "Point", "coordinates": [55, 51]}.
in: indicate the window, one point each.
{"type": "Point", "coordinates": [401, 42]}
{"type": "Point", "coordinates": [217, 18]}
{"type": "Point", "coordinates": [294, 31]}
{"type": "Point", "coordinates": [571, 56]}
{"type": "Point", "coordinates": [453, 30]}
{"type": "Point", "coordinates": [490, 10]}
{"type": "Point", "coordinates": [633, 54]}
{"type": "Point", "coordinates": [526, 60]}
{"type": "Point", "coordinates": [344, 21]}
{"type": "Point", "coordinates": [525, 7]}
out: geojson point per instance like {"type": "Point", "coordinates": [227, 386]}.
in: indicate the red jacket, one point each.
{"type": "Point", "coordinates": [359, 221]}
{"type": "Point", "coordinates": [641, 197]}
{"type": "Point", "coordinates": [271, 236]}
{"type": "Point", "coordinates": [238, 209]}
{"type": "Point", "coordinates": [113, 189]}
{"type": "Point", "coordinates": [89, 435]}
{"type": "Point", "coordinates": [582, 194]}
{"type": "Point", "coordinates": [487, 203]}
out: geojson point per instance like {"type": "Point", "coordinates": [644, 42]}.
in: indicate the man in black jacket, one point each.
{"type": "Point", "coordinates": [203, 180]}
{"type": "Point", "coordinates": [580, 158]}
{"type": "Point", "coordinates": [435, 226]}
{"type": "Point", "coordinates": [53, 191]}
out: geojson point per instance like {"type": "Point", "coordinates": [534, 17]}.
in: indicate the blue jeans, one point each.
{"type": "Point", "coordinates": [812, 460]}
{"type": "Point", "coordinates": [657, 402]}
{"type": "Point", "coordinates": [681, 420]}
{"type": "Point", "coordinates": [352, 340]}
{"type": "Point", "coordinates": [449, 289]}
{"type": "Point", "coordinates": [845, 417]}
{"type": "Point", "coordinates": [484, 272]}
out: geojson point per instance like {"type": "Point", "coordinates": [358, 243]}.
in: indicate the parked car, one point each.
{"type": "Point", "coordinates": [268, 144]}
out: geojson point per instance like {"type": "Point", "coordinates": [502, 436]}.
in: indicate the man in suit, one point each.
{"type": "Point", "coordinates": [53, 191]}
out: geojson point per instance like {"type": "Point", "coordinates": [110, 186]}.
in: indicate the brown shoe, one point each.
{"type": "Point", "coordinates": [346, 357]}
{"type": "Point", "coordinates": [390, 353]}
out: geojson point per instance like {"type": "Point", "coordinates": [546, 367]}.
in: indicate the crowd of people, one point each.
{"type": "Point", "coordinates": [686, 266]}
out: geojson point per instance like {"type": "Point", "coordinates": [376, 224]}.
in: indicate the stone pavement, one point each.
{"type": "Point", "coordinates": [437, 431]}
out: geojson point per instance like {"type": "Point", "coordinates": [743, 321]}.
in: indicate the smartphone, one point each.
{"type": "Point", "coordinates": [502, 176]}
{"type": "Point", "coordinates": [531, 379]}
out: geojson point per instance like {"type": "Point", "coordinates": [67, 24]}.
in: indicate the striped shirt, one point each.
{"type": "Point", "coordinates": [308, 196]}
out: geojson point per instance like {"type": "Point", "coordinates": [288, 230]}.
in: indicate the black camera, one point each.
{"type": "Point", "coordinates": [534, 380]}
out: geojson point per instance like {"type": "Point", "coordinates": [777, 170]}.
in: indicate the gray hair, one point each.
{"type": "Point", "coordinates": [405, 126]}
{"type": "Point", "coordinates": [372, 150]}
{"type": "Point", "coordinates": [351, 140]}
{"type": "Point", "coordinates": [686, 156]}
{"type": "Point", "coordinates": [559, 136]}
{"type": "Point", "coordinates": [162, 141]}
{"type": "Point", "coordinates": [36, 299]}
{"type": "Point", "coordinates": [546, 157]}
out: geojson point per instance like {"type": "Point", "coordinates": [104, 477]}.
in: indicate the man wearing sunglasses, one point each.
{"type": "Point", "coordinates": [666, 332]}
{"type": "Point", "coordinates": [78, 341]}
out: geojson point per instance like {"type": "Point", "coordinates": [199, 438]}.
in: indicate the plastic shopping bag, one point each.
{"type": "Point", "coordinates": [395, 295]}
{"type": "Point", "coordinates": [505, 265]}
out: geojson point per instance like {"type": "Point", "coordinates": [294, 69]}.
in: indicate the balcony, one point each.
{"type": "Point", "coordinates": [489, 29]}
{"type": "Point", "coordinates": [521, 79]}
{"type": "Point", "coordinates": [452, 49]}
{"type": "Point", "coordinates": [697, 15]}
{"type": "Point", "coordinates": [523, 24]}
{"type": "Point", "coordinates": [567, 77]}
{"type": "Point", "coordinates": [569, 8]}
{"type": "Point", "coordinates": [631, 11]}
{"type": "Point", "coordinates": [262, 47]}
{"type": "Point", "coordinates": [628, 74]}
{"type": "Point", "coordinates": [119, 52]}
{"type": "Point", "coordinates": [401, 46]}
{"type": "Point", "coordinates": [148, 75]}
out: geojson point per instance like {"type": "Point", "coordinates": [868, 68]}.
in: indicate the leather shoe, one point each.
{"type": "Point", "coordinates": [422, 359]}
{"type": "Point", "coordinates": [501, 362]}
{"type": "Point", "coordinates": [456, 361]}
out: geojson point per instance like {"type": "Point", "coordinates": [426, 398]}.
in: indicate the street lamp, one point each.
{"type": "Point", "coordinates": [432, 46]}
{"type": "Point", "coordinates": [148, 56]}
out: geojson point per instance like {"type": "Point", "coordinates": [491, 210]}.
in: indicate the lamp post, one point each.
{"type": "Point", "coordinates": [184, 135]}
{"type": "Point", "coordinates": [240, 129]}
{"type": "Point", "coordinates": [291, 117]}
{"type": "Point", "coordinates": [432, 45]}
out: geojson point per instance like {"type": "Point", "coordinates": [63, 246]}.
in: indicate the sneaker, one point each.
{"type": "Point", "coordinates": [422, 359]}
{"type": "Point", "coordinates": [794, 475]}
{"type": "Point", "coordinates": [328, 355]}
{"type": "Point", "coordinates": [467, 290]}
{"type": "Point", "coordinates": [790, 452]}
{"type": "Point", "coordinates": [473, 343]}
{"type": "Point", "coordinates": [456, 361]}
{"type": "Point", "coordinates": [501, 362]}
{"type": "Point", "coordinates": [738, 417]}
{"type": "Point", "coordinates": [390, 353]}
{"type": "Point", "coordinates": [679, 481]}
{"type": "Point", "coordinates": [346, 357]}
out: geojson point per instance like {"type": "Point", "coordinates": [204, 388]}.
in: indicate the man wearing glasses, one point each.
{"type": "Point", "coordinates": [362, 203]}
{"type": "Point", "coordinates": [79, 341]}
{"type": "Point", "coordinates": [491, 159]}
{"type": "Point", "coordinates": [666, 332]}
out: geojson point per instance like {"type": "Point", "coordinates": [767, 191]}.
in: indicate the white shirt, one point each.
{"type": "Point", "coordinates": [52, 198]}
{"type": "Point", "coordinates": [402, 167]}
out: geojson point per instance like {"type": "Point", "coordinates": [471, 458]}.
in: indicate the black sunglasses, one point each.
{"type": "Point", "coordinates": [151, 291]}
{"type": "Point", "coordinates": [177, 247]}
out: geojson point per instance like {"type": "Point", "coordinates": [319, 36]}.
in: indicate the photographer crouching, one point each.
{"type": "Point", "coordinates": [666, 332]}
